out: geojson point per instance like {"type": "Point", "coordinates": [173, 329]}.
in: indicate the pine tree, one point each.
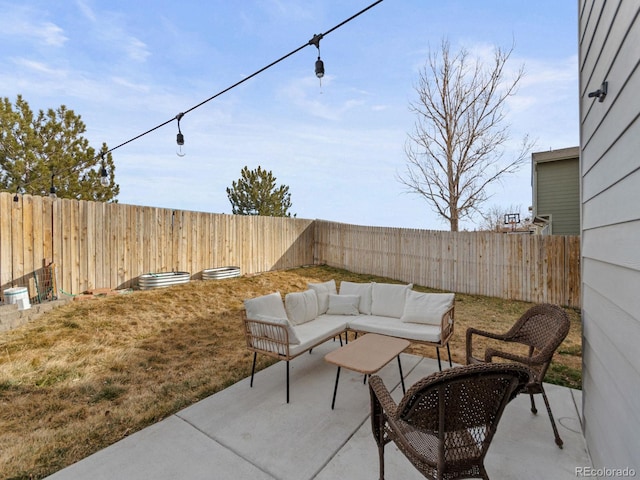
{"type": "Point", "coordinates": [38, 151]}
{"type": "Point", "coordinates": [255, 193]}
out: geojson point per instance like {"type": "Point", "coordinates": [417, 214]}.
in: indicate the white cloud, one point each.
{"type": "Point", "coordinates": [51, 34]}
{"type": "Point", "coordinates": [86, 10]}
{"type": "Point", "coordinates": [136, 49]}
{"type": "Point", "coordinates": [18, 23]}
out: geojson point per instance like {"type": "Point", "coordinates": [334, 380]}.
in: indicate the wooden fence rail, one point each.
{"type": "Point", "coordinates": [98, 245]}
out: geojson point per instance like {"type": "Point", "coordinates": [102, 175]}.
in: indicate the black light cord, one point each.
{"type": "Point", "coordinates": [314, 41]}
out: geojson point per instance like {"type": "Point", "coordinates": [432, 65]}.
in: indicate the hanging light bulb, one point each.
{"type": "Point", "coordinates": [52, 190]}
{"type": "Point", "coordinates": [319, 68]}
{"type": "Point", "coordinates": [104, 175]}
{"type": "Point", "coordinates": [319, 63]}
{"type": "Point", "coordinates": [180, 137]}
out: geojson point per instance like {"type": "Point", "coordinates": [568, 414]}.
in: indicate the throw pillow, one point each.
{"type": "Point", "coordinates": [426, 308]}
{"type": "Point", "coordinates": [301, 307]}
{"type": "Point", "coordinates": [343, 305]}
{"type": "Point", "coordinates": [363, 290]}
{"type": "Point", "coordinates": [323, 290]}
{"type": "Point", "coordinates": [387, 299]}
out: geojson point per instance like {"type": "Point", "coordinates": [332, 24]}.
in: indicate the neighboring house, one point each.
{"type": "Point", "coordinates": [556, 191]}
{"type": "Point", "coordinates": [609, 35]}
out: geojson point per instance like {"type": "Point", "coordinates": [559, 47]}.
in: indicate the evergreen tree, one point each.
{"type": "Point", "coordinates": [255, 193]}
{"type": "Point", "coordinates": [38, 151]}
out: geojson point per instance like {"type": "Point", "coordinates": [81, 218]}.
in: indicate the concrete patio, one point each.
{"type": "Point", "coordinates": [244, 432]}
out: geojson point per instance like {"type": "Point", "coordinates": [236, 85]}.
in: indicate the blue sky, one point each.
{"type": "Point", "coordinates": [127, 66]}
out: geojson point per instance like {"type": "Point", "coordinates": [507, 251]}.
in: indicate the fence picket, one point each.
{"type": "Point", "coordinates": [96, 245]}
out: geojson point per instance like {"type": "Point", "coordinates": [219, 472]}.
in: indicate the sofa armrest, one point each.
{"type": "Point", "coordinates": [266, 337]}
{"type": "Point", "coordinates": [446, 325]}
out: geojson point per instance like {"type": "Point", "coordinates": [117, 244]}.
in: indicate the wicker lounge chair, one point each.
{"type": "Point", "coordinates": [542, 328]}
{"type": "Point", "coordinates": [445, 422]}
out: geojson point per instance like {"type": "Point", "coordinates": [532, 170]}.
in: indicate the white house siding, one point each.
{"type": "Point", "coordinates": [609, 49]}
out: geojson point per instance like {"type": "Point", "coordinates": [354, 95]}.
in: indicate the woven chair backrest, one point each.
{"type": "Point", "coordinates": [463, 398]}
{"type": "Point", "coordinates": [543, 327]}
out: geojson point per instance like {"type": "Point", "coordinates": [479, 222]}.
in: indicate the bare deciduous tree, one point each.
{"type": "Point", "coordinates": [456, 149]}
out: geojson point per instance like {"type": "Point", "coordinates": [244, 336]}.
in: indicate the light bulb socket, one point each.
{"type": "Point", "coordinates": [180, 139]}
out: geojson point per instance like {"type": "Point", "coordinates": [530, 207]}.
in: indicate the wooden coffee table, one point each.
{"type": "Point", "coordinates": [367, 355]}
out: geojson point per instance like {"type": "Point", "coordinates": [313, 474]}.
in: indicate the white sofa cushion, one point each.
{"type": "Point", "coordinates": [343, 305]}
{"type": "Point", "coordinates": [267, 332]}
{"type": "Point", "coordinates": [363, 290]}
{"type": "Point", "coordinates": [396, 328]}
{"type": "Point", "coordinates": [387, 299]}
{"type": "Point", "coordinates": [270, 305]}
{"type": "Point", "coordinates": [426, 308]}
{"type": "Point", "coordinates": [301, 307]}
{"type": "Point", "coordinates": [322, 328]}
{"type": "Point", "coordinates": [323, 290]}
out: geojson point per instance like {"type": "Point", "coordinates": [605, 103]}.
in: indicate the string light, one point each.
{"type": "Point", "coordinates": [52, 190]}
{"type": "Point", "coordinates": [104, 175]}
{"type": "Point", "coordinates": [180, 137]}
{"type": "Point", "coordinates": [319, 71]}
{"type": "Point", "coordinates": [319, 63]}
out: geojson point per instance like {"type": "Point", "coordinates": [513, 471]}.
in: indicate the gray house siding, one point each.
{"type": "Point", "coordinates": [609, 35]}
{"type": "Point", "coordinates": [556, 189]}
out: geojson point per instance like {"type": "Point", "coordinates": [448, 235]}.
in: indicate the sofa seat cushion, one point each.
{"type": "Point", "coordinates": [310, 333]}
{"type": "Point", "coordinates": [395, 327]}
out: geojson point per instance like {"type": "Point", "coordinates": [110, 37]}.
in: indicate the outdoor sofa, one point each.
{"type": "Point", "coordinates": [285, 329]}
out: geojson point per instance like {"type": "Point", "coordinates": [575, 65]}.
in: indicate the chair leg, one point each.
{"type": "Point", "coordinates": [553, 423]}
{"type": "Point", "coordinates": [287, 381]}
{"type": "Point", "coordinates": [381, 459]}
{"type": "Point", "coordinates": [253, 368]}
{"type": "Point", "coordinates": [534, 410]}
{"type": "Point", "coordinates": [449, 353]}
{"type": "Point", "coordinates": [401, 376]}
{"type": "Point", "coordinates": [335, 389]}
{"type": "Point", "coordinates": [439, 364]}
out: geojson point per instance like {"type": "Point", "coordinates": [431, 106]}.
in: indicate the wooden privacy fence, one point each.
{"type": "Point", "coordinates": [532, 268]}
{"type": "Point", "coordinates": [109, 245]}
{"type": "Point", "coordinates": [102, 245]}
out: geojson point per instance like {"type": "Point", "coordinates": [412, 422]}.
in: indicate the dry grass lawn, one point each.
{"type": "Point", "coordinates": [90, 373]}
